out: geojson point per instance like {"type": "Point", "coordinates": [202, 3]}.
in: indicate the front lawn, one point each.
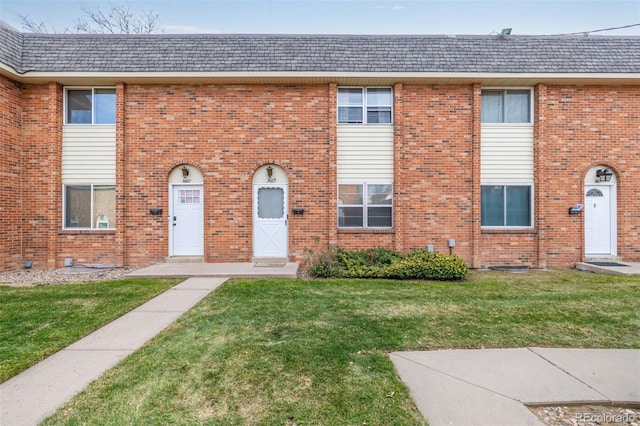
{"type": "Point", "coordinates": [285, 352]}
{"type": "Point", "coordinates": [36, 322]}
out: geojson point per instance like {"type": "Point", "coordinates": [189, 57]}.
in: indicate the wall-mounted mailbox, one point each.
{"type": "Point", "coordinates": [298, 211]}
{"type": "Point", "coordinates": [155, 212]}
{"type": "Point", "coordinates": [576, 209]}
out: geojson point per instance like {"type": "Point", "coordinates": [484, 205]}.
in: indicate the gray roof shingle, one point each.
{"type": "Point", "coordinates": [318, 53]}
{"type": "Point", "coordinates": [10, 46]}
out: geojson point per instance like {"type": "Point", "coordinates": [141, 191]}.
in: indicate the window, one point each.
{"type": "Point", "coordinates": [506, 106]}
{"type": "Point", "coordinates": [365, 205]}
{"type": "Point", "coordinates": [371, 105]}
{"type": "Point", "coordinates": [506, 205]}
{"type": "Point", "coordinates": [90, 206]}
{"type": "Point", "coordinates": [91, 106]}
{"type": "Point", "coordinates": [189, 196]}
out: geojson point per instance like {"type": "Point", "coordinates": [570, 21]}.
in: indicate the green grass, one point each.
{"type": "Point", "coordinates": [36, 322]}
{"type": "Point", "coordinates": [278, 352]}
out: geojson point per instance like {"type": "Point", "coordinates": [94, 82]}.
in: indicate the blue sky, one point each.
{"type": "Point", "coordinates": [354, 16]}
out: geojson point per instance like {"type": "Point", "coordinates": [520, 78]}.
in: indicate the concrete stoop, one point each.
{"type": "Point", "coordinates": [617, 259]}
{"type": "Point", "coordinates": [236, 270]}
{"type": "Point", "coordinates": [274, 262]}
{"type": "Point", "coordinates": [184, 259]}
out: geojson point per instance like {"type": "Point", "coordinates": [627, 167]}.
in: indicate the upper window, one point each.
{"type": "Point", "coordinates": [370, 105]}
{"type": "Point", "coordinates": [365, 205]}
{"type": "Point", "coordinates": [504, 206]}
{"type": "Point", "coordinates": [91, 106]}
{"type": "Point", "coordinates": [506, 106]}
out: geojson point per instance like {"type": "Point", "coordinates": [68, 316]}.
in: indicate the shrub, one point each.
{"type": "Point", "coordinates": [384, 263]}
{"type": "Point", "coordinates": [322, 263]}
{"type": "Point", "coordinates": [428, 265]}
{"type": "Point", "coordinates": [365, 263]}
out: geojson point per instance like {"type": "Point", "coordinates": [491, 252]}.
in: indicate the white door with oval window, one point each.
{"type": "Point", "coordinates": [597, 220]}
{"type": "Point", "coordinates": [270, 219]}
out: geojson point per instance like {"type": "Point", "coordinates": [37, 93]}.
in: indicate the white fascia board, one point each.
{"type": "Point", "coordinates": [320, 77]}
{"type": "Point", "coordinates": [8, 70]}
{"type": "Point", "coordinates": [324, 74]}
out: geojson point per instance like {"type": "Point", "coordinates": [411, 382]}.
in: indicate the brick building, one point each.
{"type": "Point", "coordinates": [131, 149]}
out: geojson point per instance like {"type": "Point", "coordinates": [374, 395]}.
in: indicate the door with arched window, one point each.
{"type": "Point", "coordinates": [600, 214]}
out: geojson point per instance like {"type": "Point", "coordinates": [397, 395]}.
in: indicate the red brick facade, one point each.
{"type": "Point", "coordinates": [228, 131]}
{"type": "Point", "coordinates": [10, 174]}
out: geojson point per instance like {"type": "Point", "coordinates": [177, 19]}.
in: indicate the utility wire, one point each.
{"type": "Point", "coordinates": [600, 30]}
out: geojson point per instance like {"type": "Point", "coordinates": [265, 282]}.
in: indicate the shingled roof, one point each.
{"type": "Point", "coordinates": [317, 53]}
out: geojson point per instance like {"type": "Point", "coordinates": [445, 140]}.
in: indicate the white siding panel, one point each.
{"type": "Point", "coordinates": [507, 154]}
{"type": "Point", "coordinates": [89, 154]}
{"type": "Point", "coordinates": [365, 154]}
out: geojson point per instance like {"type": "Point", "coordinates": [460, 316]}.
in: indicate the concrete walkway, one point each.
{"type": "Point", "coordinates": [227, 270]}
{"type": "Point", "coordinates": [491, 386]}
{"type": "Point", "coordinates": [624, 268]}
{"type": "Point", "coordinates": [36, 393]}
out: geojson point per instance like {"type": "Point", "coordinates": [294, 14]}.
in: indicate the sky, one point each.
{"type": "Point", "coordinates": [352, 16]}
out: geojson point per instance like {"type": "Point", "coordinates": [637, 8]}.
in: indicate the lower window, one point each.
{"type": "Point", "coordinates": [90, 206]}
{"type": "Point", "coordinates": [364, 205]}
{"type": "Point", "coordinates": [504, 205]}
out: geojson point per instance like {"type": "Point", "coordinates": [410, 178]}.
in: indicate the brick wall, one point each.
{"type": "Point", "coordinates": [227, 132]}
{"type": "Point", "coordinates": [437, 172]}
{"type": "Point", "coordinates": [10, 175]}
{"type": "Point", "coordinates": [38, 167]}
{"type": "Point", "coordinates": [588, 126]}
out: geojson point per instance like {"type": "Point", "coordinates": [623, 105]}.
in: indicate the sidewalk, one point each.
{"type": "Point", "coordinates": [36, 393]}
{"type": "Point", "coordinates": [491, 386]}
{"type": "Point", "coordinates": [226, 270]}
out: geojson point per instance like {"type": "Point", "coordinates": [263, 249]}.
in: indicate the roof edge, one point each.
{"type": "Point", "coordinates": [319, 77]}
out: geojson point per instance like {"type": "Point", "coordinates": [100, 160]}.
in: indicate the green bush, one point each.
{"type": "Point", "coordinates": [428, 265]}
{"type": "Point", "coordinates": [322, 263]}
{"type": "Point", "coordinates": [365, 263]}
{"type": "Point", "coordinates": [384, 263]}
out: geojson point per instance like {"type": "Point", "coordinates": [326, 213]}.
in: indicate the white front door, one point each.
{"type": "Point", "coordinates": [186, 221]}
{"type": "Point", "coordinates": [270, 220]}
{"type": "Point", "coordinates": [597, 220]}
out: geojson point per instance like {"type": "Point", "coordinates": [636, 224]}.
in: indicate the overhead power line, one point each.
{"type": "Point", "coordinates": [600, 30]}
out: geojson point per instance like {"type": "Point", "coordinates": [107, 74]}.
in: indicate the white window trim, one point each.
{"type": "Point", "coordinates": [93, 110]}
{"type": "Point", "coordinates": [364, 205]}
{"type": "Point", "coordinates": [531, 105]}
{"type": "Point", "coordinates": [364, 106]}
{"type": "Point", "coordinates": [64, 209]}
{"type": "Point", "coordinates": [531, 207]}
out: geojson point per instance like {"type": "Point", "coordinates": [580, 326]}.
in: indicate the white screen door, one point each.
{"type": "Point", "coordinates": [597, 220]}
{"type": "Point", "coordinates": [187, 221]}
{"type": "Point", "coordinates": [270, 221]}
